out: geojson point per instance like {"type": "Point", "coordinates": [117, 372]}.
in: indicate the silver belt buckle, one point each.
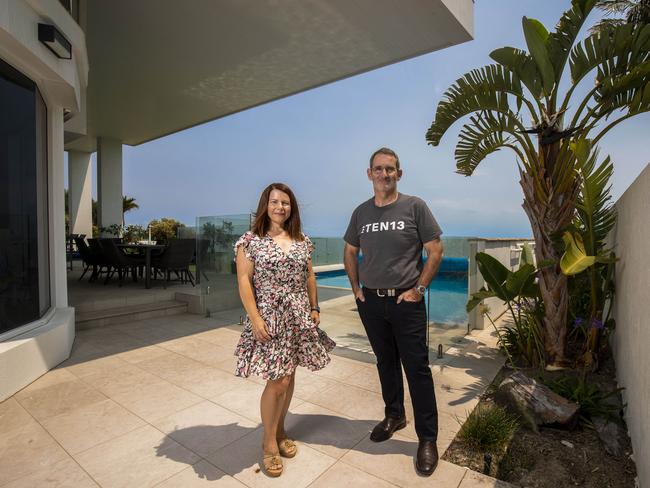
{"type": "Point", "coordinates": [391, 292]}
{"type": "Point", "coordinates": [379, 295]}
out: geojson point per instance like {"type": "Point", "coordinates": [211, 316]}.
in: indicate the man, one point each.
{"type": "Point", "coordinates": [391, 229]}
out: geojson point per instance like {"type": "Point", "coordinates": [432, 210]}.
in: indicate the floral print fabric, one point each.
{"type": "Point", "coordinates": [280, 287]}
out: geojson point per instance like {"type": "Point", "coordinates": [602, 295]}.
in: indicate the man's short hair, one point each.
{"type": "Point", "coordinates": [387, 151]}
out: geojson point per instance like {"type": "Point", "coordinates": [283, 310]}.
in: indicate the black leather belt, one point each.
{"type": "Point", "coordinates": [386, 292]}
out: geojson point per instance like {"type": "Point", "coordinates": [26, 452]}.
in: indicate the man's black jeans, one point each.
{"type": "Point", "coordinates": [398, 332]}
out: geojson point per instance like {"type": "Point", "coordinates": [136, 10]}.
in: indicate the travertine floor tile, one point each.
{"type": "Point", "coordinates": [122, 380]}
{"type": "Point", "coordinates": [104, 364]}
{"type": "Point", "coordinates": [134, 356]}
{"type": "Point", "coordinates": [88, 426]}
{"type": "Point", "coordinates": [177, 372]}
{"type": "Point", "coordinates": [205, 427]}
{"type": "Point", "coordinates": [64, 474]}
{"type": "Point", "coordinates": [58, 399]}
{"type": "Point", "coordinates": [192, 375]}
{"type": "Point", "coordinates": [200, 475]}
{"type": "Point", "coordinates": [324, 430]}
{"type": "Point", "coordinates": [340, 368]}
{"type": "Point", "coordinates": [309, 384]}
{"type": "Point", "coordinates": [242, 459]}
{"type": "Point", "coordinates": [199, 350]}
{"type": "Point", "coordinates": [81, 352]}
{"type": "Point", "coordinates": [223, 337]}
{"type": "Point", "coordinates": [448, 427]}
{"type": "Point", "coordinates": [12, 416]}
{"type": "Point", "coordinates": [156, 400]}
{"type": "Point", "coordinates": [366, 378]}
{"type": "Point", "coordinates": [394, 461]}
{"type": "Point", "coordinates": [142, 457]}
{"type": "Point", "coordinates": [351, 401]}
{"type": "Point", "coordinates": [26, 450]}
{"type": "Point", "coordinates": [245, 400]}
{"type": "Point", "coordinates": [50, 378]}
{"type": "Point", "coordinates": [344, 475]}
{"type": "Point", "coordinates": [473, 479]}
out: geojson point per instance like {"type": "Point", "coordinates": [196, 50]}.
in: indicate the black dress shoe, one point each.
{"type": "Point", "coordinates": [427, 458]}
{"type": "Point", "coordinates": [384, 430]}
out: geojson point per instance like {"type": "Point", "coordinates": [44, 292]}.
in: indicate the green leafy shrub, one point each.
{"type": "Point", "coordinates": [134, 233]}
{"type": "Point", "coordinates": [488, 428]}
{"type": "Point", "coordinates": [524, 340]}
{"type": "Point", "coordinates": [165, 229]}
{"type": "Point", "coordinates": [593, 401]}
{"type": "Point", "coordinates": [519, 291]}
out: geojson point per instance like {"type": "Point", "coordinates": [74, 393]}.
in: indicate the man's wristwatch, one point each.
{"type": "Point", "coordinates": [315, 309]}
{"type": "Point", "coordinates": [421, 289]}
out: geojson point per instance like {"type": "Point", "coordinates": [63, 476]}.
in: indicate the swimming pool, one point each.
{"type": "Point", "coordinates": [447, 292]}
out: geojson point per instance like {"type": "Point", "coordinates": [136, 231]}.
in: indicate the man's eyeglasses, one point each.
{"type": "Point", "coordinates": [390, 170]}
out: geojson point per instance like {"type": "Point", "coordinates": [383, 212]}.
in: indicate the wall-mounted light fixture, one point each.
{"type": "Point", "coordinates": [54, 41]}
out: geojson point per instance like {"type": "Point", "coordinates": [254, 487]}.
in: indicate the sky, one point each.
{"type": "Point", "coordinates": [318, 142]}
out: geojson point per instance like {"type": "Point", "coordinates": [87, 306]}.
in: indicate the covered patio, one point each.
{"type": "Point", "coordinates": [154, 402]}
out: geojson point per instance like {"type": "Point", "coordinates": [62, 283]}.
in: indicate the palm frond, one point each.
{"type": "Point", "coordinates": [561, 41]}
{"type": "Point", "coordinates": [481, 89]}
{"type": "Point", "coordinates": [613, 52]}
{"type": "Point", "coordinates": [483, 135]}
{"type": "Point", "coordinates": [625, 91]}
{"type": "Point", "coordinates": [536, 37]}
{"type": "Point", "coordinates": [604, 25]}
{"type": "Point", "coordinates": [613, 7]}
{"type": "Point", "coordinates": [522, 64]}
{"type": "Point", "coordinates": [596, 215]}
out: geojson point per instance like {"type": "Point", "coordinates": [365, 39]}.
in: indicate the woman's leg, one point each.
{"type": "Point", "coordinates": [281, 434]}
{"type": "Point", "coordinates": [271, 406]}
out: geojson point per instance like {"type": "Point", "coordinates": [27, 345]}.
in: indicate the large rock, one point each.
{"type": "Point", "coordinates": [535, 403]}
{"type": "Point", "coordinates": [612, 436]}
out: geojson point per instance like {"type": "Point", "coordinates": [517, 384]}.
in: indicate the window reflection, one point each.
{"type": "Point", "coordinates": [24, 236]}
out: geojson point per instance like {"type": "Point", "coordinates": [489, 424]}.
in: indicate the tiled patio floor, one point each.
{"type": "Point", "coordinates": [155, 403]}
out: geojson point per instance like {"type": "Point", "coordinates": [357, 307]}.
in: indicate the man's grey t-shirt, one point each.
{"type": "Point", "coordinates": [391, 239]}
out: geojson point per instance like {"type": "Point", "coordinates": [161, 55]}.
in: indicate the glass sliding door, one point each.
{"type": "Point", "coordinates": [24, 235]}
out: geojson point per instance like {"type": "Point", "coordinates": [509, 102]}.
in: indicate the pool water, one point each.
{"type": "Point", "coordinates": [447, 294]}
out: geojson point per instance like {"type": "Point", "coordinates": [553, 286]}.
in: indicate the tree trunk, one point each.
{"type": "Point", "coordinates": [548, 217]}
{"type": "Point", "coordinates": [535, 403]}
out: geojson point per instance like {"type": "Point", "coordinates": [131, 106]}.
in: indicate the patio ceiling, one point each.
{"type": "Point", "coordinates": [158, 67]}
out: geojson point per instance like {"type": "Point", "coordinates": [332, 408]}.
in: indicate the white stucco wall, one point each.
{"type": "Point", "coordinates": [631, 311]}
{"type": "Point", "coordinates": [31, 350]}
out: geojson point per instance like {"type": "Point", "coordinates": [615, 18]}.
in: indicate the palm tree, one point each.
{"type": "Point", "coordinates": [128, 204]}
{"type": "Point", "coordinates": [517, 104]}
{"type": "Point", "coordinates": [632, 11]}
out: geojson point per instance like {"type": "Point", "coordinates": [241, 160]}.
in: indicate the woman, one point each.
{"type": "Point", "coordinates": [277, 286]}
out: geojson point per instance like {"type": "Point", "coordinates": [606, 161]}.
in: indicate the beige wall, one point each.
{"type": "Point", "coordinates": [631, 341]}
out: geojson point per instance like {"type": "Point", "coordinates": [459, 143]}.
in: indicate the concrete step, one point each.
{"type": "Point", "coordinates": [120, 315]}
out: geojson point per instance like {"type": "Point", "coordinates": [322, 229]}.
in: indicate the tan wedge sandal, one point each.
{"type": "Point", "coordinates": [287, 448]}
{"type": "Point", "coordinates": [272, 464]}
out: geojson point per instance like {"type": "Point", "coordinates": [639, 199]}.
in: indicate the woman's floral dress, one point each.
{"type": "Point", "coordinates": [280, 286]}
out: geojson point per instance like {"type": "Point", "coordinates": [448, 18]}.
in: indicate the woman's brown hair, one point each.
{"type": "Point", "coordinates": [262, 221]}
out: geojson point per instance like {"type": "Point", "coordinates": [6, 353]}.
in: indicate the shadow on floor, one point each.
{"type": "Point", "coordinates": [319, 428]}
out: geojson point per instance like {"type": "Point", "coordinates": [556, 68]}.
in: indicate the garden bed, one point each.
{"type": "Point", "coordinates": [553, 457]}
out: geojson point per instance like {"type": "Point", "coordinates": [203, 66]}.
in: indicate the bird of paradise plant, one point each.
{"type": "Point", "coordinates": [519, 103]}
{"type": "Point", "coordinates": [586, 245]}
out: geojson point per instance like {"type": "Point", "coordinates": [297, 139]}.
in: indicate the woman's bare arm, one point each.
{"type": "Point", "coordinates": [312, 292]}
{"type": "Point", "coordinates": [245, 269]}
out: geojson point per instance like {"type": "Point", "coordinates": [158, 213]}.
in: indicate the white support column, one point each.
{"type": "Point", "coordinates": [80, 193]}
{"type": "Point", "coordinates": [58, 277]}
{"type": "Point", "coordinates": [475, 283]}
{"type": "Point", "coordinates": [109, 182]}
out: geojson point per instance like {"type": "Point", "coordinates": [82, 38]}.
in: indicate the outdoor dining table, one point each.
{"type": "Point", "coordinates": [148, 248]}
